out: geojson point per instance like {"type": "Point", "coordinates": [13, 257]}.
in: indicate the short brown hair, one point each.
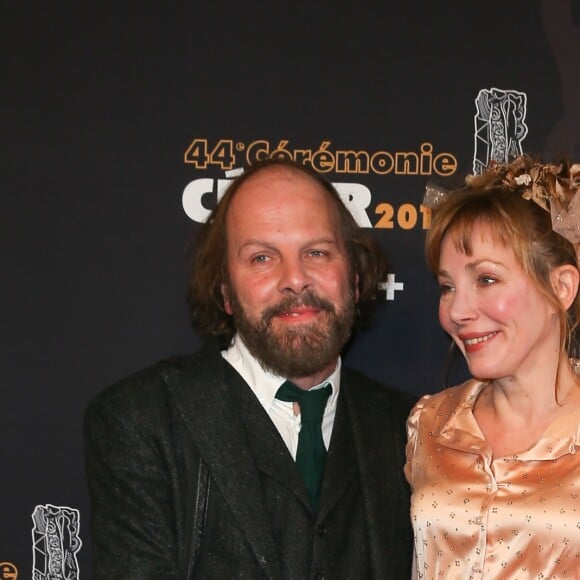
{"type": "Point", "coordinates": [209, 255]}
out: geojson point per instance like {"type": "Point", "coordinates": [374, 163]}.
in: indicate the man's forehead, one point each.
{"type": "Point", "coordinates": [283, 198]}
{"type": "Point", "coordinates": [276, 186]}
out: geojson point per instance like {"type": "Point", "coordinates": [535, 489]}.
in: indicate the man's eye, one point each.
{"type": "Point", "coordinates": [260, 259]}
{"type": "Point", "coordinates": [317, 253]}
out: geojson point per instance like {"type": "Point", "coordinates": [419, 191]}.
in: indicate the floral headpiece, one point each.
{"type": "Point", "coordinates": [555, 188]}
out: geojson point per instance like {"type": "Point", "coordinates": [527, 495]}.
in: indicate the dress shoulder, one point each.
{"type": "Point", "coordinates": [430, 412]}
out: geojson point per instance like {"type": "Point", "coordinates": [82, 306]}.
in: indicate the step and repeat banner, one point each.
{"type": "Point", "coordinates": [121, 127]}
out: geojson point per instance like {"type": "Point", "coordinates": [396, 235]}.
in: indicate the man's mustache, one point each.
{"type": "Point", "coordinates": [309, 300]}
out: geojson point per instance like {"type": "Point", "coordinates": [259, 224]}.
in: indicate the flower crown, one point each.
{"type": "Point", "coordinates": [555, 188]}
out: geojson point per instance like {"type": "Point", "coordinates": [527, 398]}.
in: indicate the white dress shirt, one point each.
{"type": "Point", "coordinates": [264, 384]}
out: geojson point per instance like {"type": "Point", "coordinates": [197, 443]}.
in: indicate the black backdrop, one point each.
{"type": "Point", "coordinates": [100, 104]}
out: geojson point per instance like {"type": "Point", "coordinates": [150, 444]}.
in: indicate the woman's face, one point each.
{"type": "Point", "coordinates": [492, 310]}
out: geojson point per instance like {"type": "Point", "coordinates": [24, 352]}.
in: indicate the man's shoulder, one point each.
{"type": "Point", "coordinates": [148, 386]}
{"type": "Point", "coordinates": [361, 386]}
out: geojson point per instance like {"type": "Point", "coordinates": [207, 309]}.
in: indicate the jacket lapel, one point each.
{"type": "Point", "coordinates": [341, 461]}
{"type": "Point", "coordinates": [378, 428]}
{"type": "Point", "coordinates": [216, 428]}
{"type": "Point", "coordinates": [270, 454]}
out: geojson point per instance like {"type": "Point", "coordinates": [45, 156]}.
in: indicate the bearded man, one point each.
{"type": "Point", "coordinates": [259, 456]}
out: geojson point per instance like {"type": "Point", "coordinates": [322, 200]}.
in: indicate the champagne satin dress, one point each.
{"type": "Point", "coordinates": [475, 517]}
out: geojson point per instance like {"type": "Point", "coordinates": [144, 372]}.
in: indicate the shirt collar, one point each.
{"type": "Point", "coordinates": [264, 383]}
{"type": "Point", "coordinates": [461, 431]}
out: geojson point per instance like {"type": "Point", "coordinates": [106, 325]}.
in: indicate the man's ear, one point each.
{"type": "Point", "coordinates": [565, 280]}
{"type": "Point", "coordinates": [356, 291]}
{"type": "Point", "coordinates": [226, 296]}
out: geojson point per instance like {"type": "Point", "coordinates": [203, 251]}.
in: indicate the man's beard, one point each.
{"type": "Point", "coordinates": [293, 351]}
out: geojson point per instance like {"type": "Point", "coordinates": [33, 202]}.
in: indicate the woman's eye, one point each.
{"type": "Point", "coordinates": [445, 288]}
{"type": "Point", "coordinates": [487, 280]}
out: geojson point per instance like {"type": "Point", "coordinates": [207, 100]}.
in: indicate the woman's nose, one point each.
{"type": "Point", "coordinates": [461, 308]}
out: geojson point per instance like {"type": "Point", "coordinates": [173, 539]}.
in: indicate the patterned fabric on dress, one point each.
{"type": "Point", "coordinates": [515, 517]}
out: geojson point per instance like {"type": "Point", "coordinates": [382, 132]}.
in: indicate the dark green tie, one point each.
{"type": "Point", "coordinates": [311, 453]}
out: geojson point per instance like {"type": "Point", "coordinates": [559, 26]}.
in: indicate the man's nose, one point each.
{"type": "Point", "coordinates": [294, 276]}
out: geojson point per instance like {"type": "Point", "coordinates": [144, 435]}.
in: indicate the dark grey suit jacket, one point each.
{"type": "Point", "coordinates": [144, 438]}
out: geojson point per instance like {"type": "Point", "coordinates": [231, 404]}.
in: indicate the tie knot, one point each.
{"type": "Point", "coordinates": [312, 402]}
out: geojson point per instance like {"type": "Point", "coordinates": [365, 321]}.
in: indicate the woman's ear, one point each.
{"type": "Point", "coordinates": [565, 280]}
